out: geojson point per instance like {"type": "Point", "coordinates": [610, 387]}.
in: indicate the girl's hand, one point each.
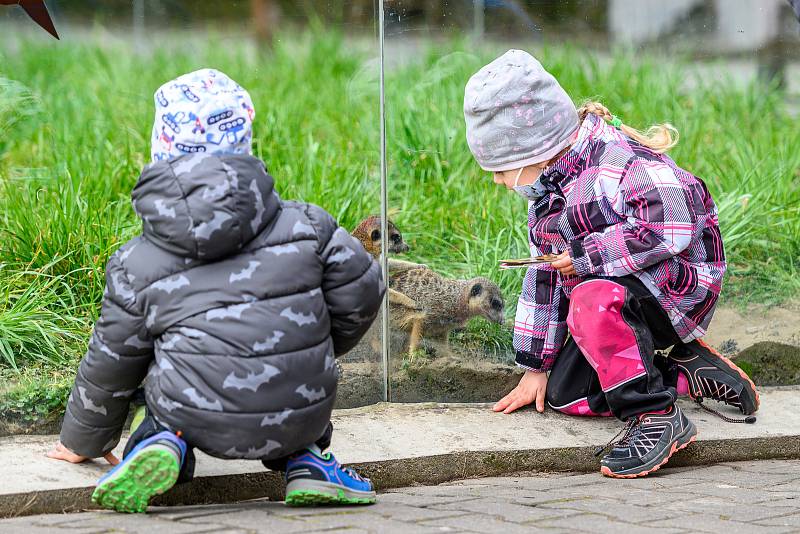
{"type": "Point", "coordinates": [564, 265]}
{"type": "Point", "coordinates": [532, 387]}
{"type": "Point", "coordinates": [60, 452]}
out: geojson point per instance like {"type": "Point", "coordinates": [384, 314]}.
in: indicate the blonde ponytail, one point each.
{"type": "Point", "coordinates": [659, 137]}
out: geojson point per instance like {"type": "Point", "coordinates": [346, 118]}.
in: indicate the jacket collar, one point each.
{"type": "Point", "coordinates": [575, 160]}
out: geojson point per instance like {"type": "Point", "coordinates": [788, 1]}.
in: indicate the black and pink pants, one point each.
{"type": "Point", "coordinates": [608, 365]}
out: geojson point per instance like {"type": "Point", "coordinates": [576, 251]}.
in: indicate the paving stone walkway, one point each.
{"type": "Point", "coordinates": [749, 497]}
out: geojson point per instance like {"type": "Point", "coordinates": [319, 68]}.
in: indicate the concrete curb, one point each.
{"type": "Point", "coordinates": [425, 470]}
{"type": "Point", "coordinates": [400, 445]}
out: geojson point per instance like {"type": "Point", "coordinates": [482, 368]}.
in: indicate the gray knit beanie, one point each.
{"type": "Point", "coordinates": [517, 114]}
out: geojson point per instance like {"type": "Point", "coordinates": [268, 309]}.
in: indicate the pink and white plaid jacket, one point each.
{"type": "Point", "coordinates": [620, 209]}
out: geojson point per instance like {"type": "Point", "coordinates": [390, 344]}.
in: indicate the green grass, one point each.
{"type": "Point", "coordinates": [76, 121]}
{"type": "Point", "coordinates": [37, 397]}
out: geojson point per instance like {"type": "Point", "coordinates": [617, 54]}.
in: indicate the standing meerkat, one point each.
{"type": "Point", "coordinates": [368, 232]}
{"type": "Point", "coordinates": [446, 304]}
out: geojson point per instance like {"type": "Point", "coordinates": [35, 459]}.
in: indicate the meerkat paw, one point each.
{"type": "Point", "coordinates": [398, 266]}
{"type": "Point", "coordinates": [395, 297]}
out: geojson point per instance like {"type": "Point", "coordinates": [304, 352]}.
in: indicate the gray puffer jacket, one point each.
{"type": "Point", "coordinates": [233, 304]}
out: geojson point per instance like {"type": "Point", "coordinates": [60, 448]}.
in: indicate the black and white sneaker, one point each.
{"type": "Point", "coordinates": [713, 376]}
{"type": "Point", "coordinates": [649, 441]}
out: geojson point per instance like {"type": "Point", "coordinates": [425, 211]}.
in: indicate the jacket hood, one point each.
{"type": "Point", "coordinates": [203, 206]}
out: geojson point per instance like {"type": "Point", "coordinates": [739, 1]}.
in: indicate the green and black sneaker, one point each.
{"type": "Point", "coordinates": [150, 469]}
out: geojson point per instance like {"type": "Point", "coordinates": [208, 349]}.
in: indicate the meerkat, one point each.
{"type": "Point", "coordinates": [368, 232]}
{"type": "Point", "coordinates": [447, 304]}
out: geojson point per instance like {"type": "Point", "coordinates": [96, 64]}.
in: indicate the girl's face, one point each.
{"type": "Point", "coordinates": [525, 176]}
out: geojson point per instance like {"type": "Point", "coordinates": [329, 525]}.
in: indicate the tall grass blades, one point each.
{"type": "Point", "coordinates": [40, 319]}
{"type": "Point", "coordinates": [17, 103]}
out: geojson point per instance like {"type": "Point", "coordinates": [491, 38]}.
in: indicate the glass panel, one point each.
{"type": "Point", "coordinates": [76, 117]}
{"type": "Point", "coordinates": [724, 73]}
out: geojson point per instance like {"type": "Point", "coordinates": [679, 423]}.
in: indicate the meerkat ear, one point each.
{"type": "Point", "coordinates": [476, 290]}
{"type": "Point", "coordinates": [376, 235]}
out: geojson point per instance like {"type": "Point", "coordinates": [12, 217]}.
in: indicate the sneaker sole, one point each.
{"type": "Point", "coordinates": [151, 472]}
{"type": "Point", "coordinates": [317, 493]}
{"type": "Point", "coordinates": [679, 444]}
{"type": "Point", "coordinates": [735, 368]}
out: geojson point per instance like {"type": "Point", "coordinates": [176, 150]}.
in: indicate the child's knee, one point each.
{"type": "Point", "coordinates": [606, 340]}
{"type": "Point", "coordinates": [595, 306]}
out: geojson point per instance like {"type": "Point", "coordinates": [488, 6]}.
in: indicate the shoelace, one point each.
{"type": "Point", "coordinates": [726, 391]}
{"type": "Point", "coordinates": [630, 430]}
{"type": "Point", "coordinates": [750, 419]}
{"type": "Point", "coordinates": [328, 457]}
{"type": "Point", "coordinates": [352, 473]}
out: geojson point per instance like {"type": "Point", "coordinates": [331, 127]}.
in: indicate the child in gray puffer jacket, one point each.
{"type": "Point", "coordinates": [233, 304]}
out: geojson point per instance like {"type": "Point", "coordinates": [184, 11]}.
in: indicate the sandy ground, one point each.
{"type": "Point", "coordinates": [758, 323]}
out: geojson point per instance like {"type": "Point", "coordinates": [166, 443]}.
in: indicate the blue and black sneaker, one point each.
{"type": "Point", "coordinates": [313, 479]}
{"type": "Point", "coordinates": [150, 469]}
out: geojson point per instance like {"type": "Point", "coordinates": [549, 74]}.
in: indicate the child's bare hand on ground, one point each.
{"type": "Point", "coordinates": [564, 265]}
{"type": "Point", "coordinates": [531, 388]}
{"type": "Point", "coordinates": [60, 452]}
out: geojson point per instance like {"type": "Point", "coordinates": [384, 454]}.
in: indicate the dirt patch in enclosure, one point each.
{"type": "Point", "coordinates": [732, 330]}
{"type": "Point", "coordinates": [437, 373]}
{"type": "Point", "coordinates": [771, 364]}
{"type": "Point", "coordinates": [424, 380]}
{"type": "Point", "coordinates": [360, 384]}
{"type": "Point", "coordinates": [450, 380]}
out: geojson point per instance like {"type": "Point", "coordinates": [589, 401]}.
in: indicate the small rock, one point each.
{"type": "Point", "coordinates": [729, 346]}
